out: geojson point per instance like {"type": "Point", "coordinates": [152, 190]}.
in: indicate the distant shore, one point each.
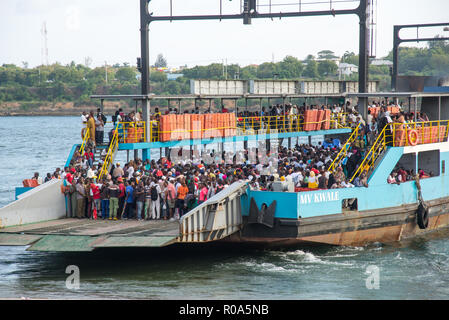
{"type": "Point", "coordinates": [20, 109]}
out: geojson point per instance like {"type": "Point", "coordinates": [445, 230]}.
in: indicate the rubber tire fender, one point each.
{"type": "Point", "coordinates": [422, 216]}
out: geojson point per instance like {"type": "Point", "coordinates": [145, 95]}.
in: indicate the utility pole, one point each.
{"type": "Point", "coordinates": [44, 44]}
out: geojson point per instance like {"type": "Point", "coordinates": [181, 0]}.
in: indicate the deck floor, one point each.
{"type": "Point", "coordinates": [85, 227]}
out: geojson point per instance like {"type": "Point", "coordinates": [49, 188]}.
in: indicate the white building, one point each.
{"type": "Point", "coordinates": [347, 69]}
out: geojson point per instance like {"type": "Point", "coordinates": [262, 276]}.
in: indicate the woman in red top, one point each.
{"type": "Point", "coordinates": [95, 196]}
{"type": "Point", "coordinates": [89, 157]}
{"type": "Point", "coordinates": [203, 193]}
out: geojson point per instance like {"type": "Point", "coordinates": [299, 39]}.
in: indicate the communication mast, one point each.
{"type": "Point", "coordinates": [44, 44]}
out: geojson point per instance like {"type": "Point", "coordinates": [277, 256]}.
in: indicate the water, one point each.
{"type": "Point", "coordinates": [413, 269]}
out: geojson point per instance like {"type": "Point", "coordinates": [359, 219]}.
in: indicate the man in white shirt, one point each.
{"type": "Point", "coordinates": [346, 184]}
{"type": "Point", "coordinates": [84, 118]}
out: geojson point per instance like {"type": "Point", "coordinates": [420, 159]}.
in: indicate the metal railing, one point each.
{"type": "Point", "coordinates": [110, 155]}
{"type": "Point", "coordinates": [287, 123]}
{"type": "Point", "coordinates": [85, 139]}
{"type": "Point", "coordinates": [131, 132]}
{"type": "Point", "coordinates": [372, 155]}
{"type": "Point", "coordinates": [426, 132]}
{"type": "Point", "coordinates": [252, 125]}
{"type": "Point", "coordinates": [215, 219]}
{"type": "Point", "coordinates": [344, 150]}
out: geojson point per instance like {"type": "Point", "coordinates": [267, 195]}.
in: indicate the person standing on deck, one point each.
{"type": "Point", "coordinates": [91, 125]}
{"type": "Point", "coordinates": [155, 191]}
{"type": "Point", "coordinates": [118, 171]}
{"type": "Point", "coordinates": [147, 206]}
{"type": "Point", "coordinates": [72, 197]}
{"type": "Point", "coordinates": [114, 192]}
{"type": "Point", "coordinates": [80, 198]}
{"type": "Point", "coordinates": [99, 130]}
{"type": "Point", "coordinates": [84, 117]}
{"type": "Point", "coordinates": [129, 200]}
{"type": "Point", "coordinates": [171, 198]}
{"type": "Point", "coordinates": [104, 196]}
{"type": "Point", "coordinates": [121, 197]}
{"type": "Point", "coordinates": [89, 157]}
{"type": "Point", "coordinates": [140, 199]}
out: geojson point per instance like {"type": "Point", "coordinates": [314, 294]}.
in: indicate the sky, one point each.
{"type": "Point", "coordinates": [107, 31]}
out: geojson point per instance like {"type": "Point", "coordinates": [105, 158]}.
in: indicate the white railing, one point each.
{"type": "Point", "coordinates": [215, 219]}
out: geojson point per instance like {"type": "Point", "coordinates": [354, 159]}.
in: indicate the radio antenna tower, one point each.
{"type": "Point", "coordinates": [44, 44]}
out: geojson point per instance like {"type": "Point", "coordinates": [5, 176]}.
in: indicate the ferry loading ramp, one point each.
{"type": "Point", "coordinates": [24, 224]}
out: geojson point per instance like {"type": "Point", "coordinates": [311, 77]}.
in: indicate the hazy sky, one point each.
{"type": "Point", "coordinates": [108, 30]}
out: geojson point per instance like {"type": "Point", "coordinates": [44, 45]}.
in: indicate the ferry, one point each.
{"type": "Point", "coordinates": [381, 212]}
{"type": "Point", "coordinates": [289, 216]}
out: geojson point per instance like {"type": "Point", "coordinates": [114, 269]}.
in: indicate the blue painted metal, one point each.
{"type": "Point", "coordinates": [436, 89]}
{"type": "Point", "coordinates": [378, 195]}
{"type": "Point", "coordinates": [257, 137]}
{"type": "Point", "coordinates": [386, 165]}
{"type": "Point", "coordinates": [72, 152]}
{"type": "Point", "coordinates": [286, 202]}
{"type": "Point", "coordinates": [20, 190]}
{"type": "Point", "coordinates": [146, 154]}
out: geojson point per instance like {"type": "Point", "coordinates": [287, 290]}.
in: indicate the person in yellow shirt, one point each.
{"type": "Point", "coordinates": [91, 126]}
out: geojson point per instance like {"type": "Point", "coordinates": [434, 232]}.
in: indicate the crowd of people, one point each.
{"type": "Point", "coordinates": [167, 190]}
{"type": "Point", "coordinates": [161, 189]}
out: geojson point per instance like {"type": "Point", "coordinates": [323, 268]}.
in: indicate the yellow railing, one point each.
{"type": "Point", "coordinates": [285, 123]}
{"type": "Point", "coordinates": [108, 159]}
{"type": "Point", "coordinates": [426, 132]}
{"type": "Point", "coordinates": [344, 150]}
{"type": "Point", "coordinates": [131, 132]}
{"type": "Point", "coordinates": [372, 155]}
{"type": "Point", "coordinates": [134, 132]}
{"type": "Point", "coordinates": [85, 139]}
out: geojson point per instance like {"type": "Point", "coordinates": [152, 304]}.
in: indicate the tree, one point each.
{"type": "Point", "coordinates": [350, 57]}
{"type": "Point", "coordinates": [326, 54]}
{"type": "Point", "coordinates": [161, 62]}
{"type": "Point", "coordinates": [311, 70]}
{"type": "Point", "coordinates": [126, 74]}
{"type": "Point", "coordinates": [157, 76]}
{"type": "Point", "coordinates": [267, 70]}
{"type": "Point", "coordinates": [290, 68]}
{"type": "Point", "coordinates": [248, 72]}
{"type": "Point", "coordinates": [327, 68]}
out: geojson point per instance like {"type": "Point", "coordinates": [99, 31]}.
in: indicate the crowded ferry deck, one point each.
{"type": "Point", "coordinates": [270, 194]}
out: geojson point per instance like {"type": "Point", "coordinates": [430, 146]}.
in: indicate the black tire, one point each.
{"type": "Point", "coordinates": [422, 217]}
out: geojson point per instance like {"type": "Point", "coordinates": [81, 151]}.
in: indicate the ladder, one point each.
{"type": "Point", "coordinates": [370, 160]}
{"type": "Point", "coordinates": [344, 150]}
{"type": "Point", "coordinates": [110, 156]}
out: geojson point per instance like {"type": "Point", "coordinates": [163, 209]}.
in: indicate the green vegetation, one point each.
{"type": "Point", "coordinates": [76, 82]}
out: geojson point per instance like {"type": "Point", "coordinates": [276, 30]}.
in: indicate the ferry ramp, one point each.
{"type": "Point", "coordinates": [215, 219]}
